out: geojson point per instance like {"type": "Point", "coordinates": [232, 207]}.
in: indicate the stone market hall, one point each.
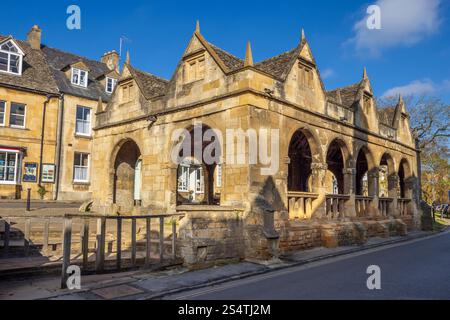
{"type": "Point", "coordinates": [347, 169]}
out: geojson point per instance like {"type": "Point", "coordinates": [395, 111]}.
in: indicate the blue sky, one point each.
{"type": "Point", "coordinates": [411, 53]}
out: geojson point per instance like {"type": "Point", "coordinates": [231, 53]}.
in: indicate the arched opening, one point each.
{"type": "Point", "coordinates": [403, 175]}
{"type": "Point", "coordinates": [335, 163]}
{"type": "Point", "coordinates": [386, 183]}
{"type": "Point", "coordinates": [299, 170]}
{"type": "Point", "coordinates": [362, 169]}
{"type": "Point", "coordinates": [198, 159]}
{"type": "Point", "coordinates": [127, 177]}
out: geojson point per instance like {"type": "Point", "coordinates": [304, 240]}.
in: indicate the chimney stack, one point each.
{"type": "Point", "coordinates": [111, 59]}
{"type": "Point", "coordinates": [34, 37]}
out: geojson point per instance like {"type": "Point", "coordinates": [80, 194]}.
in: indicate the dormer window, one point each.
{"type": "Point", "coordinates": [10, 58]}
{"type": "Point", "coordinates": [306, 76]}
{"type": "Point", "coordinates": [79, 77]}
{"type": "Point", "coordinates": [110, 84]}
{"type": "Point", "coordinates": [194, 69]}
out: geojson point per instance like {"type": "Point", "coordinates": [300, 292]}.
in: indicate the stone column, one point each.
{"type": "Point", "coordinates": [318, 174]}
{"type": "Point", "coordinates": [374, 191]}
{"type": "Point", "coordinates": [350, 189]}
{"type": "Point", "coordinates": [393, 193]}
{"type": "Point", "coordinates": [172, 186]}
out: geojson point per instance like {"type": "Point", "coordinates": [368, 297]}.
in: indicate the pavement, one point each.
{"type": "Point", "coordinates": [297, 275]}
{"type": "Point", "coordinates": [38, 207]}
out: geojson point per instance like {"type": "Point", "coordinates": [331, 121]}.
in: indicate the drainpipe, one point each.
{"type": "Point", "coordinates": [42, 138]}
{"type": "Point", "coordinates": [59, 143]}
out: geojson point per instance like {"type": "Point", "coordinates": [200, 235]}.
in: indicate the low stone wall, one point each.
{"type": "Point", "coordinates": [301, 235]}
{"type": "Point", "coordinates": [216, 235]}
{"type": "Point", "coordinates": [211, 237]}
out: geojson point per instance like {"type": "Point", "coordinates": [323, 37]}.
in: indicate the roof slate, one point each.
{"type": "Point", "coordinates": [386, 115]}
{"type": "Point", "coordinates": [59, 60]}
{"type": "Point", "coordinates": [280, 65]}
{"type": "Point", "coordinates": [348, 94]}
{"type": "Point", "coordinates": [151, 86]}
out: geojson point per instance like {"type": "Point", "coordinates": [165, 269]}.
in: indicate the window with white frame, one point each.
{"type": "Point", "coordinates": [17, 115]}
{"type": "Point", "coordinates": [9, 163]}
{"type": "Point", "coordinates": [199, 181]}
{"type": "Point", "coordinates": [81, 167]}
{"type": "Point", "coordinates": [183, 178]}
{"type": "Point", "coordinates": [79, 77]}
{"type": "Point", "coordinates": [10, 58]}
{"type": "Point", "coordinates": [2, 112]}
{"type": "Point", "coordinates": [110, 84]}
{"type": "Point", "coordinates": [83, 122]}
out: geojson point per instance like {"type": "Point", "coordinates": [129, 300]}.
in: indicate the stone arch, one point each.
{"type": "Point", "coordinates": [387, 178]}
{"type": "Point", "coordinates": [125, 157]}
{"type": "Point", "coordinates": [303, 151]}
{"type": "Point", "coordinates": [404, 179]}
{"type": "Point", "coordinates": [196, 163]}
{"type": "Point", "coordinates": [337, 159]}
{"type": "Point", "coordinates": [313, 141]}
{"type": "Point", "coordinates": [365, 172]}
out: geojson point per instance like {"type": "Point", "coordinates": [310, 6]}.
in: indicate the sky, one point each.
{"type": "Point", "coordinates": [409, 54]}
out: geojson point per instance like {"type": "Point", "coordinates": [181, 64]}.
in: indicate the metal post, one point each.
{"type": "Point", "coordinates": [67, 237]}
{"type": "Point", "coordinates": [161, 239]}
{"type": "Point", "coordinates": [28, 199]}
{"type": "Point", "coordinates": [101, 236]}
{"type": "Point", "coordinates": [148, 242]}
{"type": "Point", "coordinates": [174, 237]}
{"type": "Point", "coordinates": [119, 243]}
{"type": "Point", "coordinates": [133, 242]}
{"type": "Point", "coordinates": [6, 240]}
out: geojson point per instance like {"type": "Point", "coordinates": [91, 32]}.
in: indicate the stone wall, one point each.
{"type": "Point", "coordinates": [211, 237]}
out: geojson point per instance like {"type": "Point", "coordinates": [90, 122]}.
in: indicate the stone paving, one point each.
{"type": "Point", "coordinates": [153, 285]}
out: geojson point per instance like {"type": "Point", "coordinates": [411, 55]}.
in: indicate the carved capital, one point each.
{"type": "Point", "coordinates": [350, 171]}
{"type": "Point", "coordinates": [319, 166]}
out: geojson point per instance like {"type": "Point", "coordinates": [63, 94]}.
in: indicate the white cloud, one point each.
{"type": "Point", "coordinates": [418, 87]}
{"type": "Point", "coordinates": [327, 73]}
{"type": "Point", "coordinates": [403, 23]}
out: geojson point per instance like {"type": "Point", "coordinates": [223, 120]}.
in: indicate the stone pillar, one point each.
{"type": "Point", "coordinates": [172, 186]}
{"type": "Point", "coordinates": [393, 193]}
{"type": "Point", "coordinates": [318, 174]}
{"type": "Point", "coordinates": [350, 189]}
{"type": "Point", "coordinates": [374, 191]}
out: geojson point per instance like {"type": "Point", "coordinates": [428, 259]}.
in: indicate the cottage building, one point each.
{"type": "Point", "coordinates": [48, 101]}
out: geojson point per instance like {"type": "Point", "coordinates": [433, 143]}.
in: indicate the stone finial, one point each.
{"type": "Point", "coordinates": [400, 99]}
{"type": "Point", "coordinates": [365, 73]}
{"type": "Point", "coordinates": [338, 96]}
{"type": "Point", "coordinates": [127, 60]}
{"type": "Point", "coordinates": [100, 105]}
{"type": "Point", "coordinates": [303, 35]}
{"type": "Point", "coordinates": [248, 55]}
{"type": "Point", "coordinates": [197, 27]}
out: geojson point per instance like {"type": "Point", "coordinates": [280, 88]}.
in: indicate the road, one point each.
{"type": "Point", "coordinates": [419, 269]}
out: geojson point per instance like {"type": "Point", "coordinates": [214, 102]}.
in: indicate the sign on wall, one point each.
{"type": "Point", "coordinates": [30, 172]}
{"type": "Point", "coordinates": [48, 173]}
